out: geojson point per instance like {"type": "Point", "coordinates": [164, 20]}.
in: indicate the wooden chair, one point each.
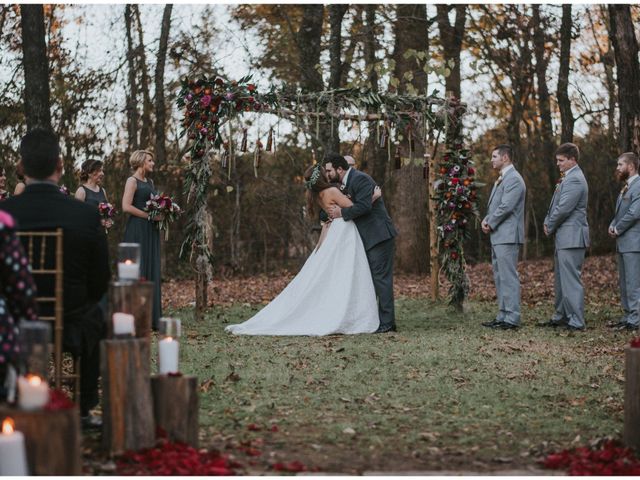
{"type": "Point", "coordinates": [45, 252]}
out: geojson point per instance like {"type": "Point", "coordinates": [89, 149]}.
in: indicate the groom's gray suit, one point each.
{"type": "Point", "coordinates": [567, 219]}
{"type": "Point", "coordinates": [377, 232]}
{"type": "Point", "coordinates": [505, 217]}
{"type": "Point", "coordinates": [627, 226]}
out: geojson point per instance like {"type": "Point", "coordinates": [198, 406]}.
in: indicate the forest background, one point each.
{"type": "Point", "coordinates": [532, 76]}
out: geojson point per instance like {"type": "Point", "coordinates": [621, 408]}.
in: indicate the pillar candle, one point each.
{"type": "Point", "coordinates": [128, 270]}
{"type": "Point", "coordinates": [123, 324]}
{"type": "Point", "coordinates": [33, 392]}
{"type": "Point", "coordinates": [13, 458]}
{"type": "Point", "coordinates": [168, 355]}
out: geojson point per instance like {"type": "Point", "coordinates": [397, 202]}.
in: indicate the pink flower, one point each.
{"type": "Point", "coordinates": [205, 100]}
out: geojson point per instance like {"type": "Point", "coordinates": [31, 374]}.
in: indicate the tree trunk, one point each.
{"type": "Point", "coordinates": [160, 107]}
{"type": "Point", "coordinates": [36, 67]}
{"type": "Point", "coordinates": [175, 407]}
{"type": "Point", "coordinates": [132, 95]}
{"type": "Point", "coordinates": [608, 61]}
{"type": "Point", "coordinates": [625, 46]}
{"type": "Point", "coordinates": [336, 14]}
{"type": "Point", "coordinates": [564, 103]}
{"type": "Point", "coordinates": [451, 37]}
{"type": "Point", "coordinates": [147, 105]}
{"type": "Point", "coordinates": [408, 201]}
{"type": "Point", "coordinates": [544, 102]}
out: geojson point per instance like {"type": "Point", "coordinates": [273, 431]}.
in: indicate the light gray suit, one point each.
{"type": "Point", "coordinates": [505, 217]}
{"type": "Point", "coordinates": [567, 219]}
{"type": "Point", "coordinates": [627, 225]}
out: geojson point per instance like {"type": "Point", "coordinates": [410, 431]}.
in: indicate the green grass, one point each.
{"type": "Point", "coordinates": [442, 393]}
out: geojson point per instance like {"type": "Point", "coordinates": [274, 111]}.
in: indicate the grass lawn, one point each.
{"type": "Point", "coordinates": [444, 393]}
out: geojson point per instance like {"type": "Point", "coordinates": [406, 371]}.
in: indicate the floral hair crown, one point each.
{"type": "Point", "coordinates": [315, 175]}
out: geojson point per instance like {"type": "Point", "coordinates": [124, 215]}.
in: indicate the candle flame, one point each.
{"type": "Point", "coordinates": [8, 426]}
{"type": "Point", "coordinates": [34, 380]}
{"type": "Point", "coordinates": [128, 262]}
{"type": "Point", "coordinates": [168, 339]}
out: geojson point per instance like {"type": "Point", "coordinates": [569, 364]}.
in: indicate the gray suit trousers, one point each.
{"type": "Point", "coordinates": [504, 258]}
{"type": "Point", "coordinates": [568, 286]}
{"type": "Point", "coordinates": [629, 269]}
{"type": "Point", "coordinates": [380, 258]}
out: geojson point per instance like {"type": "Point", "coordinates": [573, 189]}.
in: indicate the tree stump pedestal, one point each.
{"type": "Point", "coordinates": [176, 407]}
{"type": "Point", "coordinates": [53, 439]}
{"type": "Point", "coordinates": [127, 411]}
{"type": "Point", "coordinates": [632, 398]}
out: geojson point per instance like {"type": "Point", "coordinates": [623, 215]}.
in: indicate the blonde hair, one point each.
{"type": "Point", "coordinates": [136, 160]}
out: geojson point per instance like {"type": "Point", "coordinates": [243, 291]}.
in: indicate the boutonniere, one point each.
{"type": "Point", "coordinates": [625, 189]}
{"type": "Point", "coordinates": [499, 180]}
{"type": "Point", "coordinates": [559, 181]}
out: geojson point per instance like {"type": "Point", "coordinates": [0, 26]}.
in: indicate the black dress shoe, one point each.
{"type": "Point", "coordinates": [386, 329]}
{"type": "Point", "coordinates": [91, 422]}
{"type": "Point", "coordinates": [491, 324]}
{"type": "Point", "coordinates": [571, 328]}
{"type": "Point", "coordinates": [549, 323]}
{"type": "Point", "coordinates": [505, 326]}
{"type": "Point", "coordinates": [624, 326]}
{"type": "Point", "coordinates": [617, 325]}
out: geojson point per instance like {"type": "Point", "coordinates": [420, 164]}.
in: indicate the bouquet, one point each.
{"type": "Point", "coordinates": [107, 212]}
{"type": "Point", "coordinates": [163, 205]}
{"type": "Point", "coordinates": [64, 190]}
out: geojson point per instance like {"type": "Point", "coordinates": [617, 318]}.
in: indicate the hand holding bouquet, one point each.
{"type": "Point", "coordinates": [107, 212]}
{"type": "Point", "coordinates": [164, 210]}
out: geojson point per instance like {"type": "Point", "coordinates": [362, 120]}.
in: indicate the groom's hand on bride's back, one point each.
{"type": "Point", "coordinates": [335, 211]}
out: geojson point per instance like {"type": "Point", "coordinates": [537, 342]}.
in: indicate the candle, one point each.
{"type": "Point", "coordinates": [13, 459]}
{"type": "Point", "coordinates": [128, 270]}
{"type": "Point", "coordinates": [168, 355]}
{"type": "Point", "coordinates": [123, 324]}
{"type": "Point", "coordinates": [33, 392]}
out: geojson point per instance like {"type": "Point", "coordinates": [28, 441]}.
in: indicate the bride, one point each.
{"type": "Point", "coordinates": [333, 293]}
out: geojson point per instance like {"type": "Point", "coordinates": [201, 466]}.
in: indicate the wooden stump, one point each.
{"type": "Point", "coordinates": [176, 407]}
{"type": "Point", "coordinates": [632, 398]}
{"type": "Point", "coordinates": [53, 439]}
{"type": "Point", "coordinates": [127, 412]}
{"type": "Point", "coordinates": [142, 308]}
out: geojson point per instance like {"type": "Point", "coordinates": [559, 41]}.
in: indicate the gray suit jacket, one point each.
{"type": "Point", "coordinates": [627, 219]}
{"type": "Point", "coordinates": [505, 213]}
{"type": "Point", "coordinates": [372, 220]}
{"type": "Point", "coordinates": [567, 215]}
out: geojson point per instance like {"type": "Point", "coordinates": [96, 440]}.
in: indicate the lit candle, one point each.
{"type": "Point", "coordinates": [13, 459]}
{"type": "Point", "coordinates": [33, 392]}
{"type": "Point", "coordinates": [123, 324]}
{"type": "Point", "coordinates": [128, 270]}
{"type": "Point", "coordinates": [168, 355]}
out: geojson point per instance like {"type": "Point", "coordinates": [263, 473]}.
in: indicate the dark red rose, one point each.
{"type": "Point", "coordinates": [635, 342]}
{"type": "Point", "coordinates": [219, 81]}
{"type": "Point", "coordinates": [471, 171]}
{"type": "Point", "coordinates": [251, 87]}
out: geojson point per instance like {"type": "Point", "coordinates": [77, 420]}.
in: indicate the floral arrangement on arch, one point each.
{"type": "Point", "coordinates": [456, 196]}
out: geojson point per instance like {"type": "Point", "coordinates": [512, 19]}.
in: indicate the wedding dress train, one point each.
{"type": "Point", "coordinates": [333, 293]}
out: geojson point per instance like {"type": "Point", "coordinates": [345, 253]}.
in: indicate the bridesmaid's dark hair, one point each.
{"type": "Point", "coordinates": [88, 167]}
{"type": "Point", "coordinates": [315, 181]}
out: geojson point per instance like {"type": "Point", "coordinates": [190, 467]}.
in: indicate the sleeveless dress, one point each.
{"type": "Point", "coordinates": [94, 198]}
{"type": "Point", "coordinates": [147, 234]}
{"type": "Point", "coordinates": [333, 293]}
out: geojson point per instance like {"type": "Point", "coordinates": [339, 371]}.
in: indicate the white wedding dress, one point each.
{"type": "Point", "coordinates": [333, 293]}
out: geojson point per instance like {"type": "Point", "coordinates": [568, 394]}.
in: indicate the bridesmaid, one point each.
{"type": "Point", "coordinates": [141, 227]}
{"type": "Point", "coordinates": [20, 186]}
{"type": "Point", "coordinates": [3, 184]}
{"type": "Point", "coordinates": [91, 191]}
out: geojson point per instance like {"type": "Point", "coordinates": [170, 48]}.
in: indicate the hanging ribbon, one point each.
{"type": "Point", "coordinates": [243, 144]}
{"type": "Point", "coordinates": [270, 140]}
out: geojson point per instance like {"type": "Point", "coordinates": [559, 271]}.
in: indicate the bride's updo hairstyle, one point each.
{"type": "Point", "coordinates": [315, 180]}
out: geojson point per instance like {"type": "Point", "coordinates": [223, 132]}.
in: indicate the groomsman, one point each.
{"type": "Point", "coordinates": [505, 224]}
{"type": "Point", "coordinates": [567, 220]}
{"type": "Point", "coordinates": [625, 228]}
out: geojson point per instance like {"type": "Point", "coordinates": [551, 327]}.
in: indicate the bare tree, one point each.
{"type": "Point", "coordinates": [160, 107]}
{"type": "Point", "coordinates": [564, 103]}
{"type": "Point", "coordinates": [36, 67]}
{"type": "Point", "coordinates": [451, 37]}
{"type": "Point", "coordinates": [336, 15]}
{"type": "Point", "coordinates": [625, 46]}
{"type": "Point", "coordinates": [132, 94]}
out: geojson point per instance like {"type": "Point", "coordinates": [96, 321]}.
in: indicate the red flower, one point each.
{"type": "Point", "coordinates": [294, 466]}
{"type": "Point", "coordinates": [455, 180]}
{"type": "Point", "coordinates": [253, 427]}
{"type": "Point", "coordinates": [58, 400]}
{"type": "Point", "coordinates": [454, 255]}
{"type": "Point", "coordinates": [471, 170]}
{"type": "Point", "coordinates": [251, 87]}
{"type": "Point", "coordinates": [635, 342]}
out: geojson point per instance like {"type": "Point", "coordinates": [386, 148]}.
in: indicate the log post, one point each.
{"type": "Point", "coordinates": [142, 308]}
{"type": "Point", "coordinates": [176, 407]}
{"type": "Point", "coordinates": [52, 439]}
{"type": "Point", "coordinates": [127, 413]}
{"type": "Point", "coordinates": [632, 398]}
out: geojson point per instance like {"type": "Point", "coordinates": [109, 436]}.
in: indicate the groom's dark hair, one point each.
{"type": "Point", "coordinates": [40, 152]}
{"type": "Point", "coordinates": [336, 160]}
{"type": "Point", "coordinates": [505, 149]}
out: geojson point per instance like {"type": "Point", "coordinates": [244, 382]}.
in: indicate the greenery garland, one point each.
{"type": "Point", "coordinates": [456, 196]}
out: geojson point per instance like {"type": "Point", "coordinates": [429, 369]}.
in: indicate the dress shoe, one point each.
{"type": "Point", "coordinates": [505, 326]}
{"type": "Point", "coordinates": [549, 323]}
{"type": "Point", "coordinates": [386, 329]}
{"type": "Point", "coordinates": [618, 325]}
{"type": "Point", "coordinates": [624, 326]}
{"type": "Point", "coordinates": [91, 422]}
{"type": "Point", "coordinates": [491, 324]}
{"type": "Point", "coordinates": [571, 328]}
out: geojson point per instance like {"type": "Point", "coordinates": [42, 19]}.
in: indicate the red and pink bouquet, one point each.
{"type": "Point", "coordinates": [164, 207]}
{"type": "Point", "coordinates": [107, 212]}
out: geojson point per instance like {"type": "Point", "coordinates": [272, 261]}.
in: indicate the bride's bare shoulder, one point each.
{"type": "Point", "coordinates": [330, 192]}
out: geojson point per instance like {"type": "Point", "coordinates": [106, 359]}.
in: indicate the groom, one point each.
{"type": "Point", "coordinates": [375, 228]}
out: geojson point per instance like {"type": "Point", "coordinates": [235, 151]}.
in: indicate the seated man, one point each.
{"type": "Point", "coordinates": [86, 259]}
